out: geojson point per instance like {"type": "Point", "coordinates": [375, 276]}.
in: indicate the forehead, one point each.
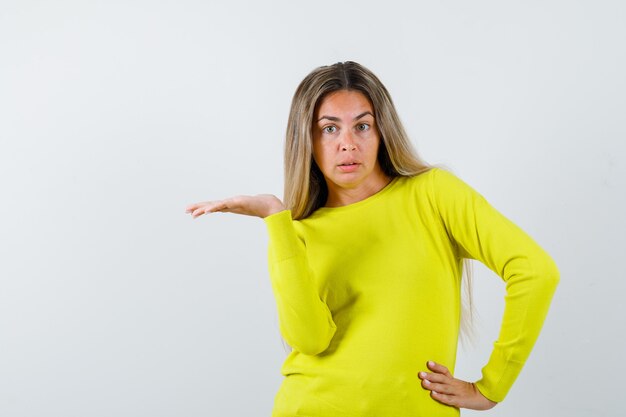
{"type": "Point", "coordinates": [344, 102]}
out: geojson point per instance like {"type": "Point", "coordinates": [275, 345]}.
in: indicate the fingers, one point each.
{"type": "Point", "coordinates": [199, 209]}
{"type": "Point", "coordinates": [194, 208]}
{"type": "Point", "coordinates": [261, 205]}
{"type": "Point", "coordinates": [441, 373]}
{"type": "Point", "coordinates": [444, 388]}
{"type": "Point", "coordinates": [437, 382]}
{"type": "Point", "coordinates": [449, 393]}
{"type": "Point", "coordinates": [448, 390]}
{"type": "Point", "coordinates": [190, 208]}
{"type": "Point", "coordinates": [438, 368]}
{"type": "Point", "coordinates": [445, 399]}
{"type": "Point", "coordinates": [433, 377]}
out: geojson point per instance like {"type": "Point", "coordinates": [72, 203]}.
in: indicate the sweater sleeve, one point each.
{"type": "Point", "coordinates": [530, 275]}
{"type": "Point", "coordinates": [305, 321]}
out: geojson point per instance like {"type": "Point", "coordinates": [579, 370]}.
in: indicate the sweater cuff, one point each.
{"type": "Point", "coordinates": [282, 235]}
{"type": "Point", "coordinates": [498, 376]}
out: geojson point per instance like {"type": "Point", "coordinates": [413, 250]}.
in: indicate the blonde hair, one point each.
{"type": "Point", "coordinates": [305, 187]}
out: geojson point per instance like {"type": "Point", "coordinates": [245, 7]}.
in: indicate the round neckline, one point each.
{"type": "Point", "coordinates": [363, 202]}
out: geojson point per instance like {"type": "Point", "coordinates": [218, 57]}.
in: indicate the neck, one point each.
{"type": "Point", "coordinates": [342, 196]}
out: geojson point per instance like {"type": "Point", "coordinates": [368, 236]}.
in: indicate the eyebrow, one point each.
{"type": "Point", "coordinates": [336, 119]}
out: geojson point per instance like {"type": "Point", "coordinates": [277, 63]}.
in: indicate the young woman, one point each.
{"type": "Point", "coordinates": [366, 258]}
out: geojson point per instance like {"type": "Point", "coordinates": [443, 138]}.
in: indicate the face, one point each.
{"type": "Point", "coordinates": [346, 141]}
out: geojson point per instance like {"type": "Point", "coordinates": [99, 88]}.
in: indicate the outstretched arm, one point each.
{"type": "Point", "coordinates": [261, 205]}
{"type": "Point", "coordinates": [305, 321]}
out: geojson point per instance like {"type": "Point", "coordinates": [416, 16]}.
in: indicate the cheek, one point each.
{"type": "Point", "coordinates": [320, 153]}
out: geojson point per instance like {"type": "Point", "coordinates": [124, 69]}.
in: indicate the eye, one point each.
{"type": "Point", "coordinates": [362, 127]}
{"type": "Point", "coordinates": [329, 129]}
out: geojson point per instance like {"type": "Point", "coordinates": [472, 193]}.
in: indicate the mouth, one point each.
{"type": "Point", "coordinates": [348, 167]}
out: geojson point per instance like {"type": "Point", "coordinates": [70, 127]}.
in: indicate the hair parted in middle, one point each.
{"type": "Point", "coordinates": [305, 186]}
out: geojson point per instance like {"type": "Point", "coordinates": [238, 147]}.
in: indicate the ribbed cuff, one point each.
{"type": "Point", "coordinates": [498, 376]}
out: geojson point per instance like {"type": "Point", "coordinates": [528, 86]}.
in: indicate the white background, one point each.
{"type": "Point", "coordinates": [115, 115]}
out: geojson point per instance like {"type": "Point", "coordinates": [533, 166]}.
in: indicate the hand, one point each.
{"type": "Point", "coordinates": [261, 205]}
{"type": "Point", "coordinates": [451, 391]}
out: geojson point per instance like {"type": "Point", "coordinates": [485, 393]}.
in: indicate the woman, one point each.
{"type": "Point", "coordinates": [366, 258]}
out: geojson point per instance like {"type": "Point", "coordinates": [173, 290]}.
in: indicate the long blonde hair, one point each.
{"type": "Point", "coordinates": [305, 187]}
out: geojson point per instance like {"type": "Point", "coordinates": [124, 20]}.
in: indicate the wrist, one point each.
{"type": "Point", "coordinates": [274, 208]}
{"type": "Point", "coordinates": [493, 403]}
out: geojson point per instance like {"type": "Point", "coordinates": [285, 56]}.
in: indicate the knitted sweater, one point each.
{"type": "Point", "coordinates": [369, 292]}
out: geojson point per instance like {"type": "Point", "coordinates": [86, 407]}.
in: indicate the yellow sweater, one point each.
{"type": "Point", "coordinates": [367, 293]}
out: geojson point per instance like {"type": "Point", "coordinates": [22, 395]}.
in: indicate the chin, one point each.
{"type": "Point", "coordinates": [348, 182]}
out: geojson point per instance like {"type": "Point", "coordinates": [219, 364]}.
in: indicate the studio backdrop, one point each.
{"type": "Point", "coordinates": [116, 115]}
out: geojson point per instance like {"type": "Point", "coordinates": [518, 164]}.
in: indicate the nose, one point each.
{"type": "Point", "coordinates": [347, 142]}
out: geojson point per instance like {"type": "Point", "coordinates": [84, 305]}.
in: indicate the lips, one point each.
{"type": "Point", "coordinates": [348, 163]}
{"type": "Point", "coordinates": [348, 166]}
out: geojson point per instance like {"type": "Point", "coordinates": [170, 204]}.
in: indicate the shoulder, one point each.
{"type": "Point", "coordinates": [444, 183]}
{"type": "Point", "coordinates": [433, 173]}
{"type": "Point", "coordinates": [435, 180]}
{"type": "Point", "coordinates": [445, 190]}
{"type": "Point", "coordinates": [442, 176]}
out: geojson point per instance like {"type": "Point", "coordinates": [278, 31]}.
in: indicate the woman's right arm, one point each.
{"type": "Point", "coordinates": [305, 321]}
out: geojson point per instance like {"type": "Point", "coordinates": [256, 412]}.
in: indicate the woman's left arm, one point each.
{"type": "Point", "coordinates": [531, 276]}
